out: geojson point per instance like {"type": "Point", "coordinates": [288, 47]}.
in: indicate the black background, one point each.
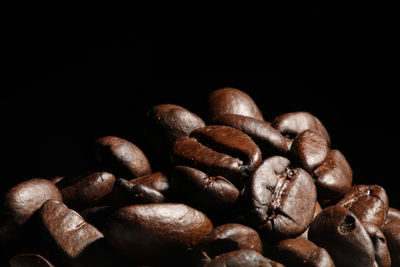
{"type": "Point", "coordinates": [71, 79]}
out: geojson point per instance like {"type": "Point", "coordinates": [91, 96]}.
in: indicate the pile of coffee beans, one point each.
{"type": "Point", "coordinates": [228, 190]}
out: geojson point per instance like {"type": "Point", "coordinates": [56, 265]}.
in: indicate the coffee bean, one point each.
{"type": "Point", "coordinates": [121, 157]}
{"type": "Point", "coordinates": [232, 101]}
{"type": "Point", "coordinates": [167, 230]}
{"type": "Point", "coordinates": [31, 260]}
{"type": "Point", "coordinates": [368, 202]}
{"type": "Point", "coordinates": [88, 191]}
{"type": "Point", "coordinates": [301, 252]}
{"type": "Point", "coordinates": [333, 178]}
{"type": "Point", "coordinates": [309, 150]}
{"type": "Point", "coordinates": [382, 256]}
{"type": "Point", "coordinates": [229, 237]}
{"type": "Point", "coordinates": [392, 234]}
{"type": "Point", "coordinates": [317, 210]}
{"type": "Point", "coordinates": [239, 258]}
{"type": "Point", "coordinates": [393, 215]}
{"type": "Point", "coordinates": [218, 150]}
{"type": "Point", "coordinates": [270, 141]}
{"type": "Point", "coordinates": [281, 199]}
{"type": "Point", "coordinates": [294, 123]}
{"type": "Point", "coordinates": [338, 230]}
{"type": "Point", "coordinates": [158, 181]}
{"type": "Point", "coordinates": [208, 193]}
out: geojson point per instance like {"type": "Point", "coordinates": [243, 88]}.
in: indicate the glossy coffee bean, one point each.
{"type": "Point", "coordinates": [167, 230]}
{"type": "Point", "coordinates": [229, 237]}
{"type": "Point", "coordinates": [281, 199]}
{"type": "Point", "coordinates": [218, 150]}
{"type": "Point", "coordinates": [232, 101]}
{"type": "Point", "coordinates": [239, 258]}
{"type": "Point", "coordinates": [382, 256]}
{"type": "Point", "coordinates": [270, 140]}
{"type": "Point", "coordinates": [301, 252]}
{"type": "Point", "coordinates": [88, 191]}
{"type": "Point", "coordinates": [165, 124]}
{"type": "Point", "coordinates": [392, 234]}
{"type": "Point", "coordinates": [121, 157]}
{"type": "Point", "coordinates": [393, 215]}
{"type": "Point", "coordinates": [67, 228]}
{"type": "Point", "coordinates": [126, 193]}
{"type": "Point", "coordinates": [294, 123]}
{"type": "Point", "coordinates": [309, 150]}
{"type": "Point", "coordinates": [368, 202]}
{"type": "Point", "coordinates": [333, 178]}
{"type": "Point", "coordinates": [29, 260]}
{"type": "Point", "coordinates": [338, 230]}
{"type": "Point", "coordinates": [26, 198]}
{"type": "Point", "coordinates": [208, 193]}
{"type": "Point", "coordinates": [157, 180]}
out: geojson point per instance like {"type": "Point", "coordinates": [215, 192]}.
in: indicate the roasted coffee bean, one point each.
{"type": "Point", "coordinates": [294, 123]}
{"type": "Point", "coordinates": [309, 150]}
{"type": "Point", "coordinates": [121, 157]}
{"type": "Point", "coordinates": [70, 239]}
{"type": "Point", "coordinates": [165, 124]}
{"type": "Point", "coordinates": [218, 150]}
{"type": "Point", "coordinates": [208, 193]}
{"type": "Point", "coordinates": [393, 215]}
{"type": "Point", "coordinates": [97, 216]}
{"type": "Point", "coordinates": [333, 178]}
{"type": "Point", "coordinates": [88, 191]}
{"type": "Point", "coordinates": [368, 202]}
{"type": "Point", "coordinates": [382, 256]}
{"type": "Point", "coordinates": [157, 180]}
{"type": "Point", "coordinates": [392, 234]}
{"type": "Point", "coordinates": [232, 101]}
{"type": "Point", "coordinates": [270, 140]}
{"type": "Point", "coordinates": [281, 199]}
{"type": "Point", "coordinates": [229, 237]}
{"type": "Point", "coordinates": [29, 260]}
{"type": "Point", "coordinates": [317, 210]}
{"type": "Point", "coordinates": [338, 230]}
{"type": "Point", "coordinates": [301, 252]}
{"type": "Point", "coordinates": [167, 230]}
{"type": "Point", "coordinates": [239, 258]}
{"type": "Point", "coordinates": [126, 193]}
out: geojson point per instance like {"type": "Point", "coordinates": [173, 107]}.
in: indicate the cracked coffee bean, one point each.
{"type": "Point", "coordinates": [218, 150]}
{"type": "Point", "coordinates": [281, 199]}
{"type": "Point", "coordinates": [232, 101]}
{"type": "Point", "coordinates": [121, 157]}
{"type": "Point", "coordinates": [338, 230]}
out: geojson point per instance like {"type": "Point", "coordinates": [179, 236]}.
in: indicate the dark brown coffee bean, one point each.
{"type": "Point", "coordinates": [232, 101]}
{"type": "Point", "coordinates": [301, 252]}
{"type": "Point", "coordinates": [294, 123]}
{"type": "Point", "coordinates": [333, 178]}
{"type": "Point", "coordinates": [392, 234]}
{"type": "Point", "coordinates": [230, 237]}
{"type": "Point", "coordinates": [368, 202]}
{"type": "Point", "coordinates": [26, 198]}
{"type": "Point", "coordinates": [239, 258]}
{"type": "Point", "coordinates": [382, 256]}
{"type": "Point", "coordinates": [218, 150]}
{"type": "Point", "coordinates": [157, 180]}
{"type": "Point", "coordinates": [156, 232]}
{"type": "Point", "coordinates": [126, 193]}
{"type": "Point", "coordinates": [270, 140]}
{"type": "Point", "coordinates": [121, 157]}
{"type": "Point", "coordinates": [281, 199]}
{"type": "Point", "coordinates": [309, 150]}
{"type": "Point", "coordinates": [29, 260]}
{"type": "Point", "coordinates": [208, 193]}
{"type": "Point", "coordinates": [88, 191]}
{"type": "Point", "coordinates": [338, 230]}
{"type": "Point", "coordinates": [67, 228]}
{"type": "Point", "coordinates": [393, 215]}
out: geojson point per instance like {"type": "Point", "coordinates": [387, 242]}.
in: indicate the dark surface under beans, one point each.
{"type": "Point", "coordinates": [229, 189]}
